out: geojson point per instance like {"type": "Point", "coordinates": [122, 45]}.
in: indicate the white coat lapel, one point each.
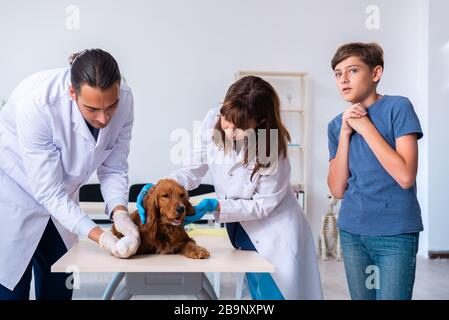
{"type": "Point", "coordinates": [240, 159]}
{"type": "Point", "coordinates": [240, 162]}
{"type": "Point", "coordinates": [79, 123]}
{"type": "Point", "coordinates": [103, 137]}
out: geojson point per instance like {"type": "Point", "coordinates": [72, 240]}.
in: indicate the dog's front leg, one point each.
{"type": "Point", "coordinates": [193, 251]}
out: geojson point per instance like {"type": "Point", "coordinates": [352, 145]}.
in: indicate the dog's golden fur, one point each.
{"type": "Point", "coordinates": [163, 231]}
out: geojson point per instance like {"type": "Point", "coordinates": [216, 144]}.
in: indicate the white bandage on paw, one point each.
{"type": "Point", "coordinates": [123, 246]}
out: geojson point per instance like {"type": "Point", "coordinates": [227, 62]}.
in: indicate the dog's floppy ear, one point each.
{"type": "Point", "coordinates": [152, 211]}
{"type": "Point", "coordinates": [189, 208]}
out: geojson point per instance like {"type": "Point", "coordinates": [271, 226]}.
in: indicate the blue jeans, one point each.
{"type": "Point", "coordinates": [380, 268]}
{"type": "Point", "coordinates": [48, 285]}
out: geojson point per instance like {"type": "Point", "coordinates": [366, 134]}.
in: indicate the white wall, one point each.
{"type": "Point", "coordinates": [420, 69]}
{"type": "Point", "coordinates": [180, 57]}
{"type": "Point", "coordinates": [438, 124]}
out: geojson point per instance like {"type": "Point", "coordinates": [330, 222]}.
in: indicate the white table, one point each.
{"type": "Point", "coordinates": [163, 274]}
{"type": "Point", "coordinates": [96, 211]}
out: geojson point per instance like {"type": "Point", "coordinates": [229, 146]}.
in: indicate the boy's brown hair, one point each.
{"type": "Point", "coordinates": [371, 54]}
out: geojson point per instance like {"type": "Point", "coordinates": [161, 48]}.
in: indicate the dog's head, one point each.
{"type": "Point", "coordinates": [167, 203]}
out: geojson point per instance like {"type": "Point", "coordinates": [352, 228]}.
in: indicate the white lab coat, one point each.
{"type": "Point", "coordinates": [266, 208]}
{"type": "Point", "coordinates": [47, 153]}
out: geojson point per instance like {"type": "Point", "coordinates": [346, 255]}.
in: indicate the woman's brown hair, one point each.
{"type": "Point", "coordinates": [252, 98]}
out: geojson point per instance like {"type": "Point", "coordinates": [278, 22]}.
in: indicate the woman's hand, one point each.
{"type": "Point", "coordinates": [205, 205]}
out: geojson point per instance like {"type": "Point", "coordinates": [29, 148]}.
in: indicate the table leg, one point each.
{"type": "Point", "coordinates": [207, 291]}
{"type": "Point", "coordinates": [123, 294]}
{"type": "Point", "coordinates": [112, 286]}
{"type": "Point", "coordinates": [160, 284]}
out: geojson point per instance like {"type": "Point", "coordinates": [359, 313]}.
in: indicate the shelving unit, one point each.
{"type": "Point", "coordinates": [291, 88]}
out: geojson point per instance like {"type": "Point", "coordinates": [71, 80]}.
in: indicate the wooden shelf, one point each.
{"type": "Point", "coordinates": [273, 74]}
{"type": "Point", "coordinates": [295, 147]}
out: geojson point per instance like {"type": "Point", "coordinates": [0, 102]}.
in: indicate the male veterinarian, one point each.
{"type": "Point", "coordinates": [57, 128]}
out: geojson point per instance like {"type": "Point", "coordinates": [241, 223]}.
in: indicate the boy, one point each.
{"type": "Point", "coordinates": [373, 154]}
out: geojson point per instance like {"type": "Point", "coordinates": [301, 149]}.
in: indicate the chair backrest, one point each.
{"type": "Point", "coordinates": [202, 189]}
{"type": "Point", "coordinates": [134, 191]}
{"type": "Point", "coordinates": [91, 193]}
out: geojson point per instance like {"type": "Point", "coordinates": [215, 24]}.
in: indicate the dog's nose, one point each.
{"type": "Point", "coordinates": [180, 209]}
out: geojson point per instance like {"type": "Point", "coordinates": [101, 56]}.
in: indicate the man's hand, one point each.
{"type": "Point", "coordinates": [356, 111]}
{"type": "Point", "coordinates": [127, 227]}
{"type": "Point", "coordinates": [109, 243]}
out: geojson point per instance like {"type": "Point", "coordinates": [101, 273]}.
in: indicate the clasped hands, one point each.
{"type": "Point", "coordinates": [355, 118]}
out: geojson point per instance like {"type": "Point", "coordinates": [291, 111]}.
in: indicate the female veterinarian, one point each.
{"type": "Point", "coordinates": [57, 128]}
{"type": "Point", "coordinates": [255, 199]}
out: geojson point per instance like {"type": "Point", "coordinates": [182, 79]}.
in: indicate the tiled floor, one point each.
{"type": "Point", "coordinates": [432, 280]}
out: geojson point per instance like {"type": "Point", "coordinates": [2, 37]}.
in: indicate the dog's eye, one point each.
{"type": "Point", "coordinates": [165, 195]}
{"type": "Point", "coordinates": [183, 195]}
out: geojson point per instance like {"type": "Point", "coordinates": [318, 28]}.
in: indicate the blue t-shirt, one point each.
{"type": "Point", "coordinates": [374, 204]}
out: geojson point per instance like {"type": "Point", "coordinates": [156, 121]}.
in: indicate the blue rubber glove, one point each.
{"type": "Point", "coordinates": [205, 205]}
{"type": "Point", "coordinates": [139, 203]}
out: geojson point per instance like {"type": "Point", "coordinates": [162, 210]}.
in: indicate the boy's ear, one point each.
{"type": "Point", "coordinates": [377, 73]}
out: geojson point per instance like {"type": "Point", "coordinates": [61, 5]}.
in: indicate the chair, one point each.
{"type": "Point", "coordinates": [92, 193]}
{"type": "Point", "coordinates": [134, 191]}
{"type": "Point", "coordinates": [202, 189]}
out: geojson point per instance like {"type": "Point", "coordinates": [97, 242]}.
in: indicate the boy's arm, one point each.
{"type": "Point", "coordinates": [402, 163]}
{"type": "Point", "coordinates": [337, 178]}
